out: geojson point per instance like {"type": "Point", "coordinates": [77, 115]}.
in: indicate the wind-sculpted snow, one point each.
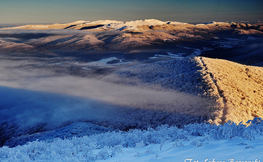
{"type": "Point", "coordinates": [111, 145]}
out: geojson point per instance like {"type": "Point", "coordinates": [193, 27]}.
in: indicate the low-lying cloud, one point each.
{"type": "Point", "coordinates": [39, 99]}
{"type": "Point", "coordinates": [44, 80]}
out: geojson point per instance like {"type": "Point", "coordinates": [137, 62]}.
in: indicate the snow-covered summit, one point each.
{"type": "Point", "coordinates": [142, 25]}
{"type": "Point", "coordinates": [104, 24]}
{"type": "Point", "coordinates": [214, 23]}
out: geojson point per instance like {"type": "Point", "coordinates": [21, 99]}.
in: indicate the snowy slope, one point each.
{"type": "Point", "coordinates": [195, 141]}
{"type": "Point", "coordinates": [235, 87]}
{"type": "Point", "coordinates": [53, 108]}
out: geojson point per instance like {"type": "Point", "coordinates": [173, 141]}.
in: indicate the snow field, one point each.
{"type": "Point", "coordinates": [194, 141]}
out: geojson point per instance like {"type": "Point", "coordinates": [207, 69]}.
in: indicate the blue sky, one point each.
{"type": "Point", "coordinates": [61, 11]}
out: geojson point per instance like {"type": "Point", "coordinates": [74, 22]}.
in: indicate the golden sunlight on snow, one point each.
{"type": "Point", "coordinates": [239, 88]}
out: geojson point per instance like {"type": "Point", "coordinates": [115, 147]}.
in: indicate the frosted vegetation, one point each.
{"type": "Point", "coordinates": [109, 144]}
{"type": "Point", "coordinates": [147, 97]}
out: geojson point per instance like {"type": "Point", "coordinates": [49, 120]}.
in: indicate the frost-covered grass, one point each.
{"type": "Point", "coordinates": [140, 143]}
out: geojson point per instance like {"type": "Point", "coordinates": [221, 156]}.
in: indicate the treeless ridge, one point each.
{"type": "Point", "coordinates": [239, 88]}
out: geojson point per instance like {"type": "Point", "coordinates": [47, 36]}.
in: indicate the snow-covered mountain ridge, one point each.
{"type": "Point", "coordinates": [100, 24]}
{"type": "Point", "coordinates": [110, 35]}
{"type": "Point", "coordinates": [145, 90]}
{"type": "Point", "coordinates": [131, 25]}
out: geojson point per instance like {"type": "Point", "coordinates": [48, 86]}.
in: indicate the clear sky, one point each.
{"type": "Point", "coordinates": [61, 11]}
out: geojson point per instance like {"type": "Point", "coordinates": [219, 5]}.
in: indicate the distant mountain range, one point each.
{"type": "Point", "coordinates": [143, 73]}
{"type": "Point", "coordinates": [152, 24]}
{"type": "Point", "coordinates": [223, 39]}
